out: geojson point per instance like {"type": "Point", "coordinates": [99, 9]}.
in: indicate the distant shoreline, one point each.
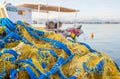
{"type": "Point", "coordinates": [99, 22]}
{"type": "Point", "coordinates": [92, 23]}
{"type": "Point", "coordinates": [83, 22]}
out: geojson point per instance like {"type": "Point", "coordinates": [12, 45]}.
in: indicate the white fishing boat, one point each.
{"type": "Point", "coordinates": [24, 11]}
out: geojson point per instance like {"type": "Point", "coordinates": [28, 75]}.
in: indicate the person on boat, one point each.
{"type": "Point", "coordinates": [54, 26]}
{"type": "Point", "coordinates": [73, 32]}
{"type": "Point", "coordinates": [50, 25]}
{"type": "Point", "coordinates": [58, 25]}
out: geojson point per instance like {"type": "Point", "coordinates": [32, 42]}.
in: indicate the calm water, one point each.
{"type": "Point", "coordinates": [106, 38]}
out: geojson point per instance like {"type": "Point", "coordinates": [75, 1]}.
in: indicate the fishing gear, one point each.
{"type": "Point", "coordinates": [47, 55]}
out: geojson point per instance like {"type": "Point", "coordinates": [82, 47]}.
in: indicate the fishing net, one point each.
{"type": "Point", "coordinates": [27, 52]}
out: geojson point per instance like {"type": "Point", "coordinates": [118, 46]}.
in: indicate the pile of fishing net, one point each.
{"type": "Point", "coordinates": [34, 53]}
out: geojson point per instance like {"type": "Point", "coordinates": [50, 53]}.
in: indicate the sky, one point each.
{"type": "Point", "coordinates": [89, 9]}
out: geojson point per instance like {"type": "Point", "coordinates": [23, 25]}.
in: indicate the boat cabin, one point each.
{"type": "Point", "coordinates": [15, 13]}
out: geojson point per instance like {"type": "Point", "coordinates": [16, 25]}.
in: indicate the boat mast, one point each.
{"type": "Point", "coordinates": [47, 11]}
{"type": "Point", "coordinates": [75, 21]}
{"type": "Point", "coordinates": [38, 12]}
{"type": "Point", "coordinates": [58, 18]}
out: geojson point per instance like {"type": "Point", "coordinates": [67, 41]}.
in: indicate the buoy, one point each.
{"type": "Point", "coordinates": [92, 35]}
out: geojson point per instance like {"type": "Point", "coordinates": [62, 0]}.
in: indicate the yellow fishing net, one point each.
{"type": "Point", "coordinates": [82, 63]}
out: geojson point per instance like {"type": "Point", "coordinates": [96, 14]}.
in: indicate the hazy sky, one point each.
{"type": "Point", "coordinates": [89, 9]}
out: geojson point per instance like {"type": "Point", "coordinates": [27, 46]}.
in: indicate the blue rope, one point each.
{"type": "Point", "coordinates": [27, 41]}
{"type": "Point", "coordinates": [31, 73]}
{"type": "Point", "coordinates": [31, 32]}
{"type": "Point", "coordinates": [86, 45]}
{"type": "Point", "coordinates": [12, 75]}
{"type": "Point", "coordinates": [62, 76]}
{"type": "Point", "coordinates": [2, 44]}
{"type": "Point", "coordinates": [53, 69]}
{"type": "Point", "coordinates": [90, 49]}
{"type": "Point", "coordinates": [28, 61]}
{"type": "Point", "coordinates": [59, 44]}
{"type": "Point", "coordinates": [14, 35]}
{"type": "Point", "coordinates": [53, 54]}
{"type": "Point", "coordinates": [10, 51]}
{"type": "Point", "coordinates": [8, 24]}
{"type": "Point", "coordinates": [28, 69]}
{"type": "Point", "coordinates": [1, 22]}
{"type": "Point", "coordinates": [41, 54]}
{"type": "Point", "coordinates": [68, 59]}
{"type": "Point", "coordinates": [11, 59]}
{"type": "Point", "coordinates": [7, 30]}
{"type": "Point", "coordinates": [43, 65]}
{"type": "Point", "coordinates": [96, 69]}
{"type": "Point", "coordinates": [40, 33]}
